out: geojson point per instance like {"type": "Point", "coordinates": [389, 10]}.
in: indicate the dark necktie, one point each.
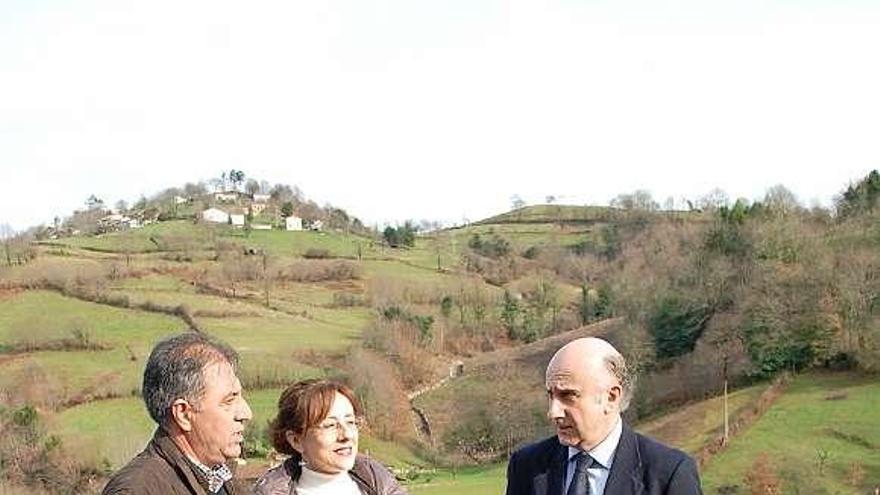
{"type": "Point", "coordinates": [580, 484]}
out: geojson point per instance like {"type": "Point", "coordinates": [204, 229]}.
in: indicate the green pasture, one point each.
{"type": "Point", "coordinates": [269, 346]}
{"type": "Point", "coordinates": [393, 268]}
{"type": "Point", "coordinates": [522, 236]}
{"type": "Point", "coordinates": [466, 481]}
{"type": "Point", "coordinates": [39, 316]}
{"type": "Point", "coordinates": [402, 276]}
{"type": "Point", "coordinates": [280, 333]}
{"type": "Point", "coordinates": [822, 436]}
{"type": "Point", "coordinates": [550, 213]}
{"type": "Point", "coordinates": [196, 303]}
{"type": "Point", "coordinates": [54, 377]}
{"type": "Point", "coordinates": [172, 235]}
{"type": "Point", "coordinates": [317, 294]}
{"type": "Point", "coordinates": [114, 429]}
{"type": "Point", "coordinates": [157, 283]}
{"type": "Point", "coordinates": [297, 243]}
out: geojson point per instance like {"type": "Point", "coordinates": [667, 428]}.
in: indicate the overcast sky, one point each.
{"type": "Point", "coordinates": [430, 109]}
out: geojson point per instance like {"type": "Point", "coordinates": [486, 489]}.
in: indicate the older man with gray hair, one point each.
{"type": "Point", "coordinates": [594, 452]}
{"type": "Point", "coordinates": [192, 392]}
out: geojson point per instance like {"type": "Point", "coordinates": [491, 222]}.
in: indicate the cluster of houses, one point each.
{"type": "Point", "coordinates": [227, 210]}
{"type": "Point", "coordinates": [236, 216]}
{"type": "Point", "coordinates": [221, 216]}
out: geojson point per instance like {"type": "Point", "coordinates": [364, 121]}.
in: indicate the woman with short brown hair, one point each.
{"type": "Point", "coordinates": [318, 427]}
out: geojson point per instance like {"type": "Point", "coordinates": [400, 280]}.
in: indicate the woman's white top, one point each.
{"type": "Point", "coordinates": [315, 483]}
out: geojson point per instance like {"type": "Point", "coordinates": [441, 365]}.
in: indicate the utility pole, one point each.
{"type": "Point", "coordinates": [726, 437]}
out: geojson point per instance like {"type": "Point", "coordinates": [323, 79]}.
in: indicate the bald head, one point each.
{"type": "Point", "coordinates": [599, 360]}
{"type": "Point", "coordinates": [586, 390]}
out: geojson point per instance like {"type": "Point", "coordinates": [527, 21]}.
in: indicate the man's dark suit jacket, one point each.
{"type": "Point", "coordinates": [641, 466]}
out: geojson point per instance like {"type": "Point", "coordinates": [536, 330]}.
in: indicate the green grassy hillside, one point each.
{"type": "Point", "coordinates": [822, 436]}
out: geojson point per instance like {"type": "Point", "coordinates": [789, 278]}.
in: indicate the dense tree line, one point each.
{"type": "Point", "coordinates": [787, 287]}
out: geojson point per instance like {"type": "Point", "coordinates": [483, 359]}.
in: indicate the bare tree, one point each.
{"type": "Point", "coordinates": [252, 187]}
{"type": "Point", "coordinates": [713, 200]}
{"type": "Point", "coordinates": [781, 201]}
{"type": "Point", "coordinates": [640, 199]}
{"type": "Point", "coordinates": [7, 234]}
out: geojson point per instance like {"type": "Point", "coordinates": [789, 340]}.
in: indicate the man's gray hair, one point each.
{"type": "Point", "coordinates": [175, 370]}
{"type": "Point", "coordinates": [617, 367]}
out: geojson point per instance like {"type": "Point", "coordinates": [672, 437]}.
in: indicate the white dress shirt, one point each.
{"type": "Point", "coordinates": [603, 457]}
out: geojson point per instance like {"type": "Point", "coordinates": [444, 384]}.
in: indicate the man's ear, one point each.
{"type": "Point", "coordinates": [614, 397]}
{"type": "Point", "coordinates": [181, 414]}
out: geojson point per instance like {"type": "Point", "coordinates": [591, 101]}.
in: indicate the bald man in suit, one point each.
{"type": "Point", "coordinates": [594, 452]}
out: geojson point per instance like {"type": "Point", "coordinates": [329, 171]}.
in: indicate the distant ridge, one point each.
{"type": "Point", "coordinates": [581, 214]}
{"type": "Point", "coordinates": [550, 213]}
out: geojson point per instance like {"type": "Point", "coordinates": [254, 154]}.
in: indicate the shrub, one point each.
{"type": "Point", "coordinates": [404, 236]}
{"type": "Point", "coordinates": [347, 300]}
{"type": "Point", "coordinates": [316, 254]}
{"type": "Point", "coordinates": [32, 458]}
{"type": "Point", "coordinates": [494, 247]}
{"type": "Point", "coordinates": [320, 271]}
{"type": "Point", "coordinates": [532, 252]}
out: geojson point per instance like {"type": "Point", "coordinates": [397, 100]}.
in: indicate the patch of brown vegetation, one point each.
{"type": "Point", "coordinates": [10, 292]}
{"type": "Point", "coordinates": [762, 478]}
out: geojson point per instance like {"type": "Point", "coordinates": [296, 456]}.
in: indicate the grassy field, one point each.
{"type": "Point", "coordinates": [297, 243]}
{"type": "Point", "coordinates": [183, 235]}
{"type": "Point", "coordinates": [821, 437]}
{"type": "Point", "coordinates": [172, 235]}
{"type": "Point", "coordinates": [40, 316]}
{"type": "Point", "coordinates": [468, 481]}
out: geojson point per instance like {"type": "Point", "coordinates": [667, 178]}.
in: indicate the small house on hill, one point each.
{"type": "Point", "coordinates": [216, 215]}
{"type": "Point", "coordinates": [293, 223]}
{"type": "Point", "coordinates": [226, 197]}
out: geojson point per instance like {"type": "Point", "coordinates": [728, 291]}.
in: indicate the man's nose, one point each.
{"type": "Point", "coordinates": [554, 409]}
{"type": "Point", "coordinates": [244, 411]}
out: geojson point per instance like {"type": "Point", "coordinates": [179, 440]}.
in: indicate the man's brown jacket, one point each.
{"type": "Point", "coordinates": [161, 469]}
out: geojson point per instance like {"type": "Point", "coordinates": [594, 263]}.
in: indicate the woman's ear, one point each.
{"type": "Point", "coordinates": [294, 440]}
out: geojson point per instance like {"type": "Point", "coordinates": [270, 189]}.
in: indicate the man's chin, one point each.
{"type": "Point", "coordinates": [233, 452]}
{"type": "Point", "coordinates": [567, 439]}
